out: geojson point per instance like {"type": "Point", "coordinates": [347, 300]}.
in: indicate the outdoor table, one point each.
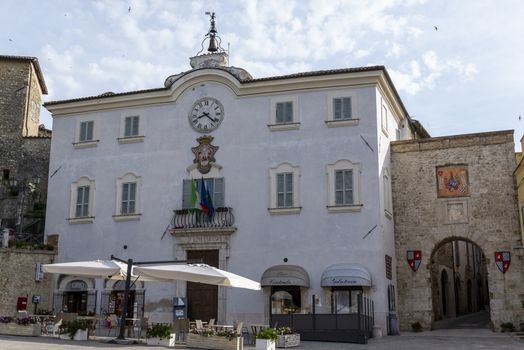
{"type": "Point", "coordinates": [222, 327]}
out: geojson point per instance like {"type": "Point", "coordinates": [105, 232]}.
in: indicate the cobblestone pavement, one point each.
{"type": "Point", "coordinates": [457, 339]}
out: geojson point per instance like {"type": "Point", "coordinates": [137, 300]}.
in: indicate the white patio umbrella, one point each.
{"type": "Point", "coordinates": [107, 269]}
{"type": "Point", "coordinates": [200, 273]}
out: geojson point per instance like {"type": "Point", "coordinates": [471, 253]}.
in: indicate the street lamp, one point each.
{"type": "Point", "coordinates": [24, 187]}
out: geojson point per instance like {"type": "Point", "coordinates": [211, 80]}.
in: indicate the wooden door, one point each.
{"type": "Point", "coordinates": [202, 299]}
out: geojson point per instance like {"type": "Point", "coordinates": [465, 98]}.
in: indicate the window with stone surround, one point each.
{"type": "Point", "coordinates": [343, 186]}
{"type": "Point", "coordinates": [284, 189]}
{"type": "Point", "coordinates": [131, 128]}
{"type": "Point", "coordinates": [82, 201]}
{"type": "Point", "coordinates": [284, 113]}
{"type": "Point", "coordinates": [128, 205]}
{"type": "Point", "coordinates": [85, 136]}
{"type": "Point", "coordinates": [341, 107]}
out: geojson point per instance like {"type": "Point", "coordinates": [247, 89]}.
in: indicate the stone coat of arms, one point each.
{"type": "Point", "coordinates": [204, 154]}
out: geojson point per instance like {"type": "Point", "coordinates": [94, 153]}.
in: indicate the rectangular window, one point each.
{"type": "Point", "coordinates": [344, 187]}
{"type": "Point", "coordinates": [5, 174]}
{"type": "Point", "coordinates": [342, 108]}
{"type": "Point", "coordinates": [387, 192]}
{"type": "Point", "coordinates": [86, 131]}
{"type": "Point", "coordinates": [284, 112]}
{"type": "Point", "coordinates": [384, 118]}
{"type": "Point", "coordinates": [82, 202]}
{"type": "Point", "coordinates": [128, 198]}
{"type": "Point", "coordinates": [285, 190]}
{"type": "Point", "coordinates": [131, 126]}
{"type": "Point", "coordinates": [214, 186]}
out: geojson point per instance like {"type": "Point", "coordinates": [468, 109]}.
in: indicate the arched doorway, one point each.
{"type": "Point", "coordinates": [458, 267]}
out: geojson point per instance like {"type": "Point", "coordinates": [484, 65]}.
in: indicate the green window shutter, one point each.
{"type": "Point", "coordinates": [346, 108]}
{"type": "Point", "coordinates": [337, 108]}
{"type": "Point", "coordinates": [186, 194]}
{"type": "Point", "coordinates": [83, 131]}
{"type": "Point", "coordinates": [219, 192]}
{"type": "Point", "coordinates": [280, 113]}
{"type": "Point", "coordinates": [289, 112]}
{"type": "Point", "coordinates": [135, 126]}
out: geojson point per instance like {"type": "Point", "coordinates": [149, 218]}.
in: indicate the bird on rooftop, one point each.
{"type": "Point", "coordinates": [129, 9]}
{"type": "Point", "coordinates": [520, 117]}
{"type": "Point", "coordinates": [436, 28]}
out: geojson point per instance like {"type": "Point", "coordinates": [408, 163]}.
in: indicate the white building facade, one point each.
{"type": "Point", "coordinates": [298, 169]}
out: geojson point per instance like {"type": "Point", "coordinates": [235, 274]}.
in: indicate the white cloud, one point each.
{"type": "Point", "coordinates": [415, 77]}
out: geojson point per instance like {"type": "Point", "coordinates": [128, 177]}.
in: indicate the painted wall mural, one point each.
{"type": "Point", "coordinates": [452, 181]}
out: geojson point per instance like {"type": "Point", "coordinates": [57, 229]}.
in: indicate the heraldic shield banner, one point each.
{"type": "Point", "coordinates": [414, 259]}
{"type": "Point", "coordinates": [502, 260]}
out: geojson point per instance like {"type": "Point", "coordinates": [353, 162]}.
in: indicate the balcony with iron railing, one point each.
{"type": "Point", "coordinates": [190, 220]}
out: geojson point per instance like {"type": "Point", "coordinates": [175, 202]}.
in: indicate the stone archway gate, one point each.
{"type": "Point", "coordinates": [458, 186]}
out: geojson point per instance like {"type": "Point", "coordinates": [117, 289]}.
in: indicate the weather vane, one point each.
{"type": "Point", "coordinates": [214, 39]}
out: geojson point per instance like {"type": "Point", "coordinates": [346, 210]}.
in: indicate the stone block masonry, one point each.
{"type": "Point", "coordinates": [488, 217]}
{"type": "Point", "coordinates": [17, 279]}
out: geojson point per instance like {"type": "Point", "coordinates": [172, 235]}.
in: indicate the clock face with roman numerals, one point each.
{"type": "Point", "coordinates": [206, 114]}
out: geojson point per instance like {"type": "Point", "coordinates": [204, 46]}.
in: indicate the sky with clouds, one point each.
{"type": "Point", "coordinates": [456, 64]}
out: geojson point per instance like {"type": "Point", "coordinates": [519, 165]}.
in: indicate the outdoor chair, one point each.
{"type": "Point", "coordinates": [238, 329]}
{"type": "Point", "coordinates": [56, 328]}
{"type": "Point", "coordinates": [211, 323]}
{"type": "Point", "coordinates": [246, 334]}
{"type": "Point", "coordinates": [199, 325]}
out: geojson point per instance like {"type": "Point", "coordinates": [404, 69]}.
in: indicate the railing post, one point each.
{"type": "Point", "coordinates": [314, 314]}
{"type": "Point", "coordinates": [359, 310]}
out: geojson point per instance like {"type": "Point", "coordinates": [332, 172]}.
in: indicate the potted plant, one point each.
{"type": "Point", "coordinates": [76, 329]}
{"type": "Point", "coordinates": [287, 338]}
{"type": "Point", "coordinates": [208, 338]}
{"type": "Point", "coordinates": [160, 334]}
{"type": "Point", "coordinates": [26, 326]}
{"type": "Point", "coordinates": [266, 339]}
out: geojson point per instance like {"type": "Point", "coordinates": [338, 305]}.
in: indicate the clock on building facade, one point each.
{"type": "Point", "coordinates": [206, 114]}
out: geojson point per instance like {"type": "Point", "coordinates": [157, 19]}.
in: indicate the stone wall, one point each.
{"type": "Point", "coordinates": [17, 279]}
{"type": "Point", "coordinates": [487, 216]}
{"type": "Point", "coordinates": [24, 154]}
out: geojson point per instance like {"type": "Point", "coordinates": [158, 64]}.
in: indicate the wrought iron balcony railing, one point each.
{"type": "Point", "coordinates": [194, 218]}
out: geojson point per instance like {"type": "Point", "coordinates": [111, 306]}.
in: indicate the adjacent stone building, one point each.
{"type": "Point", "coordinates": [24, 157]}
{"type": "Point", "coordinates": [457, 189]}
{"type": "Point", "coordinates": [25, 147]}
{"type": "Point", "coordinates": [21, 278]}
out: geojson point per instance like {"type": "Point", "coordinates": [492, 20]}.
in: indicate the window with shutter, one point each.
{"type": "Point", "coordinates": [342, 108]}
{"type": "Point", "coordinates": [128, 198]}
{"type": "Point", "coordinates": [284, 112]}
{"type": "Point", "coordinates": [131, 126]}
{"type": "Point", "coordinates": [82, 202]}
{"type": "Point", "coordinates": [86, 131]}
{"type": "Point", "coordinates": [344, 186]}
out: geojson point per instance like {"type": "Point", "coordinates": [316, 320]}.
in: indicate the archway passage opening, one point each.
{"type": "Point", "coordinates": [459, 285]}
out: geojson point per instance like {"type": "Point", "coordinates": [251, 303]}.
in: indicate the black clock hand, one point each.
{"type": "Point", "coordinates": [204, 114]}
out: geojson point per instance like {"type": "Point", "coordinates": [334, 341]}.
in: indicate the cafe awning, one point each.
{"type": "Point", "coordinates": [285, 275]}
{"type": "Point", "coordinates": [346, 274]}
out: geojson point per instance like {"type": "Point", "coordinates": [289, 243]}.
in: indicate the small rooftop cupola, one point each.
{"type": "Point", "coordinates": [216, 56]}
